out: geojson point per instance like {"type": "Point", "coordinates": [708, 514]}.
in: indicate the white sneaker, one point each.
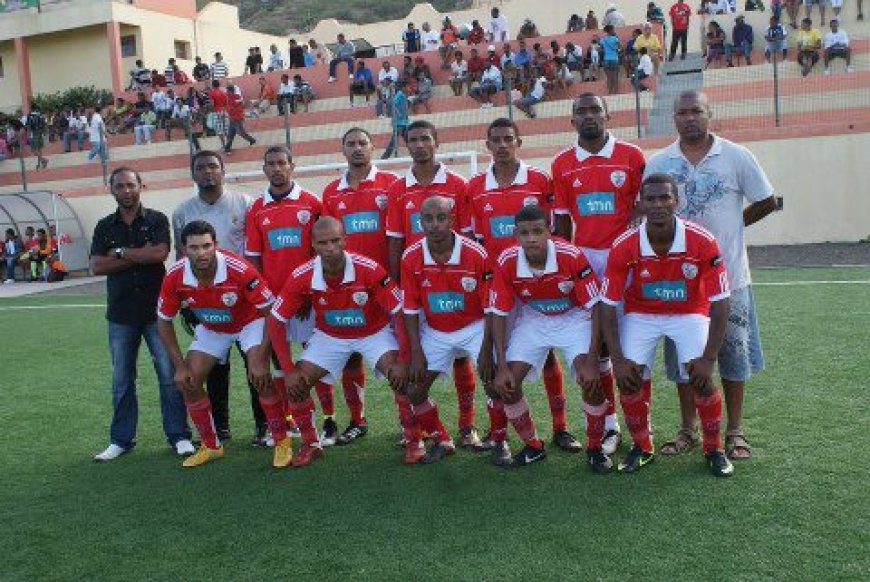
{"type": "Point", "coordinates": [113, 451]}
{"type": "Point", "coordinates": [611, 441]}
{"type": "Point", "coordinates": [184, 448]}
{"type": "Point", "coordinates": [827, 71]}
{"type": "Point", "coordinates": [331, 80]}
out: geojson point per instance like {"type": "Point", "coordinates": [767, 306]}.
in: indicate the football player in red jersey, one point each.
{"type": "Point", "coordinates": [671, 277]}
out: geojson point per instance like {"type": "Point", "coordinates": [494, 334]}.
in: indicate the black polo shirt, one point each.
{"type": "Point", "coordinates": [133, 292]}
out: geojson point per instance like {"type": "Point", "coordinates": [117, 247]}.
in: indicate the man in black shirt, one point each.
{"type": "Point", "coordinates": [130, 246]}
{"type": "Point", "coordinates": [295, 55]}
{"type": "Point", "coordinates": [201, 72]}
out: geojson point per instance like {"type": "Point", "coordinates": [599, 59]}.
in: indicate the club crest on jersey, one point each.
{"type": "Point", "coordinates": [617, 177]}
{"type": "Point", "coordinates": [530, 201]}
{"type": "Point", "coordinates": [360, 298]}
{"type": "Point", "coordinates": [565, 286]}
{"type": "Point", "coordinates": [229, 299]}
{"type": "Point", "coordinates": [381, 201]}
{"type": "Point", "coordinates": [690, 271]}
{"type": "Point", "coordinates": [468, 283]}
{"type": "Point", "coordinates": [304, 216]}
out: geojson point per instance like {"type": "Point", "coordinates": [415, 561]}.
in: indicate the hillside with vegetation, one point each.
{"type": "Point", "coordinates": [282, 16]}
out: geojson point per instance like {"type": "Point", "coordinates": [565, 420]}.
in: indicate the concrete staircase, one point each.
{"type": "Point", "coordinates": [675, 77]}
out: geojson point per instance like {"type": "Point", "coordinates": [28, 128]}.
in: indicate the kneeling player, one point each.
{"type": "Point", "coordinates": [671, 278]}
{"type": "Point", "coordinates": [353, 298]}
{"type": "Point", "coordinates": [557, 290]}
{"type": "Point", "coordinates": [231, 301]}
{"type": "Point", "coordinates": [447, 277]}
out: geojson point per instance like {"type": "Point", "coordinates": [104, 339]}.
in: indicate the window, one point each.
{"type": "Point", "coordinates": [182, 50]}
{"type": "Point", "coordinates": [128, 45]}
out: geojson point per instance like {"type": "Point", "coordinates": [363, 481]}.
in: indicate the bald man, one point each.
{"type": "Point", "coordinates": [353, 300]}
{"type": "Point", "coordinates": [446, 277]}
{"type": "Point", "coordinates": [723, 188]}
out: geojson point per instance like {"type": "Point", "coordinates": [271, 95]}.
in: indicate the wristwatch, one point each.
{"type": "Point", "coordinates": [120, 252]}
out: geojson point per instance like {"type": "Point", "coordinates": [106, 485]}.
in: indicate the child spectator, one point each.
{"type": "Point", "coordinates": [459, 73]}
{"type": "Point", "coordinates": [776, 39]}
{"type": "Point", "coordinates": [422, 94]}
{"type": "Point", "coordinates": [386, 93]}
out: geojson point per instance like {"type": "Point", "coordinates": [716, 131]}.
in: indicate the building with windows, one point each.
{"type": "Point", "coordinates": [51, 45]}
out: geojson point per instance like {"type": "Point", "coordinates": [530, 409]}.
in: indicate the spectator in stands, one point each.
{"type": "Point", "coordinates": [236, 112]}
{"type": "Point", "coordinates": [201, 71]}
{"type": "Point", "coordinates": [507, 56]}
{"type": "Point", "coordinates": [400, 120]}
{"type": "Point", "coordinates": [528, 29]}
{"type": "Point", "coordinates": [523, 62]}
{"type": "Point", "coordinates": [535, 95]}
{"type": "Point", "coordinates": [70, 127]}
{"type": "Point", "coordinates": [611, 47]}
{"type": "Point", "coordinates": [573, 56]}
{"type": "Point", "coordinates": [218, 119]}
{"type": "Point", "coordinates": [477, 35]}
{"type": "Point", "coordinates": [575, 24]}
{"type": "Point", "coordinates": [430, 39]}
{"type": "Point", "coordinates": [613, 17]}
{"type": "Point", "coordinates": [591, 21]}
{"type": "Point", "coordinates": [163, 102]}
{"type": "Point", "coordinates": [344, 53]}
{"type": "Point", "coordinates": [715, 43]}
{"type": "Point", "coordinates": [265, 97]}
{"type": "Point", "coordinates": [423, 93]}
{"type": "Point", "coordinates": [251, 62]}
{"type": "Point", "coordinates": [388, 71]}
{"type": "Point", "coordinates": [449, 42]}
{"type": "Point", "coordinates": [652, 44]}
{"type": "Point", "coordinates": [808, 43]}
{"type": "Point", "coordinates": [144, 128]}
{"type": "Point", "coordinates": [179, 76]}
{"type": "Point", "coordinates": [302, 91]}
{"type": "Point", "coordinates": [492, 56]}
{"type": "Point", "coordinates": [655, 14]}
{"type": "Point", "coordinates": [219, 69]}
{"type": "Point", "coordinates": [476, 64]}
{"type": "Point", "coordinates": [837, 47]}
{"type": "Point", "coordinates": [140, 76]}
{"type": "Point", "coordinates": [407, 72]}
{"type": "Point", "coordinates": [412, 39]}
{"type": "Point", "coordinates": [320, 52]}
{"type": "Point", "coordinates": [386, 93]}
{"type": "Point", "coordinates": [498, 26]}
{"type": "Point", "coordinates": [307, 57]}
{"type": "Point", "coordinates": [169, 72]}
{"type": "Point", "coordinates": [742, 38]}
{"type": "Point", "coordinates": [458, 73]}
{"type": "Point", "coordinates": [13, 246]}
{"type": "Point", "coordinates": [776, 40]}
{"type": "Point", "coordinates": [363, 83]}
{"type": "Point", "coordinates": [562, 76]}
{"type": "Point", "coordinates": [630, 56]}
{"type": "Point", "coordinates": [490, 84]}
{"type": "Point", "coordinates": [276, 59]}
{"type": "Point", "coordinates": [421, 66]}
{"type": "Point", "coordinates": [644, 70]}
{"type": "Point", "coordinates": [681, 14]}
{"type": "Point", "coordinates": [808, 7]}
{"type": "Point", "coordinates": [295, 55]}
{"type": "Point", "coordinates": [285, 95]}
{"type": "Point", "coordinates": [36, 126]}
{"type": "Point", "coordinates": [182, 116]}
{"type": "Point", "coordinates": [158, 80]}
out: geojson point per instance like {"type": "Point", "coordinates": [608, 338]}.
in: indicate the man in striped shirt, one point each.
{"type": "Point", "coordinates": [219, 69]}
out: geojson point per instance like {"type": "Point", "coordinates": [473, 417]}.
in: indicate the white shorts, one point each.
{"type": "Point", "coordinates": [639, 333]}
{"type": "Point", "coordinates": [534, 335]}
{"type": "Point", "coordinates": [332, 353]}
{"type": "Point", "coordinates": [217, 344]}
{"type": "Point", "coordinates": [597, 259]}
{"type": "Point", "coordinates": [441, 348]}
{"type": "Point", "coordinates": [300, 330]}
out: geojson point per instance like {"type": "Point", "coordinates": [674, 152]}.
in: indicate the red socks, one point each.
{"type": "Point", "coordinates": [303, 414]}
{"type": "Point", "coordinates": [635, 407]}
{"type": "Point", "coordinates": [710, 412]}
{"type": "Point", "coordinates": [521, 419]}
{"type": "Point", "coordinates": [498, 421]}
{"type": "Point", "coordinates": [200, 414]}
{"type": "Point", "coordinates": [273, 408]}
{"type": "Point", "coordinates": [555, 394]}
{"type": "Point", "coordinates": [324, 395]}
{"type": "Point", "coordinates": [594, 424]}
{"type": "Point", "coordinates": [406, 418]}
{"type": "Point", "coordinates": [463, 378]}
{"type": "Point", "coordinates": [426, 415]}
{"type": "Point", "coordinates": [353, 382]}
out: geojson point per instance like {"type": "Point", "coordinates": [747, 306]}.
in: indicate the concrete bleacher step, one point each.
{"type": "Point", "coordinates": [676, 76]}
{"type": "Point", "coordinates": [760, 70]}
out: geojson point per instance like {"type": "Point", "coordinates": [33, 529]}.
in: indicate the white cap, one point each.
{"type": "Point", "coordinates": [491, 48]}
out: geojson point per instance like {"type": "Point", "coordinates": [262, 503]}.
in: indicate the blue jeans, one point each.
{"type": "Point", "coordinates": [98, 148]}
{"type": "Point", "coordinates": [334, 63]}
{"type": "Point", "coordinates": [124, 342]}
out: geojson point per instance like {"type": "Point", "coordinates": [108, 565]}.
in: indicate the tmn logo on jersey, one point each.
{"type": "Point", "coordinates": [361, 222]}
{"type": "Point", "coordinates": [550, 306]}
{"type": "Point", "coordinates": [501, 226]}
{"type": "Point", "coordinates": [596, 203]}
{"type": "Point", "coordinates": [282, 238]}
{"type": "Point", "coordinates": [416, 225]}
{"type": "Point", "coordinates": [345, 318]}
{"type": "Point", "coordinates": [665, 291]}
{"type": "Point", "coordinates": [448, 302]}
{"type": "Point", "coordinates": [214, 316]}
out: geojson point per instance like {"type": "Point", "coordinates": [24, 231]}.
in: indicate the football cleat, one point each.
{"type": "Point", "coordinates": [351, 433]}
{"type": "Point", "coordinates": [437, 452]}
{"type": "Point", "coordinates": [598, 462]}
{"type": "Point", "coordinates": [528, 455]}
{"type": "Point", "coordinates": [261, 436]}
{"type": "Point", "coordinates": [611, 441]}
{"type": "Point", "coordinates": [567, 442]}
{"type": "Point", "coordinates": [636, 458]}
{"type": "Point", "coordinates": [202, 456]}
{"type": "Point", "coordinates": [329, 436]}
{"type": "Point", "coordinates": [719, 464]}
{"type": "Point", "coordinates": [307, 454]}
{"type": "Point", "coordinates": [469, 439]}
{"type": "Point", "coordinates": [283, 454]}
{"type": "Point", "coordinates": [501, 454]}
{"type": "Point", "coordinates": [414, 452]}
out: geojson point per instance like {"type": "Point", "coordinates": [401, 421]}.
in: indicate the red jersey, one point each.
{"type": "Point", "coordinates": [566, 282]}
{"type": "Point", "coordinates": [680, 14]}
{"type": "Point", "coordinates": [452, 295]}
{"type": "Point", "coordinates": [406, 196]}
{"type": "Point", "coordinates": [279, 232]}
{"type": "Point", "coordinates": [493, 208]}
{"type": "Point", "coordinates": [357, 306]}
{"type": "Point", "coordinates": [686, 280]}
{"type": "Point", "coordinates": [363, 212]}
{"type": "Point", "coordinates": [218, 100]}
{"type": "Point", "coordinates": [226, 306]}
{"type": "Point", "coordinates": [235, 106]}
{"type": "Point", "coordinates": [598, 190]}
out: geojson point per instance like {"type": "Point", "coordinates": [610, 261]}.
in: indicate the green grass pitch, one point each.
{"type": "Point", "coordinates": [800, 510]}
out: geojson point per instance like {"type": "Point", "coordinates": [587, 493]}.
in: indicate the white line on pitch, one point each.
{"type": "Point", "coordinates": [34, 307]}
{"type": "Point", "coordinates": [799, 283]}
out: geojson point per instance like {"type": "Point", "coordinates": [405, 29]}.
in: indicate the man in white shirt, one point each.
{"type": "Point", "coordinates": [276, 59]}
{"type": "Point", "coordinates": [644, 69]}
{"type": "Point", "coordinates": [535, 95]}
{"type": "Point", "coordinates": [490, 84]}
{"type": "Point", "coordinates": [430, 38]}
{"type": "Point", "coordinates": [388, 71]}
{"type": "Point", "coordinates": [286, 92]}
{"type": "Point", "coordinates": [498, 27]}
{"type": "Point", "coordinates": [97, 136]}
{"type": "Point", "coordinates": [836, 44]}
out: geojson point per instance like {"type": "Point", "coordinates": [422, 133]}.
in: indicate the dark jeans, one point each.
{"type": "Point", "coordinates": [334, 63]}
{"type": "Point", "coordinates": [237, 126]}
{"type": "Point", "coordinates": [680, 37]}
{"type": "Point", "coordinates": [218, 388]}
{"type": "Point", "coordinates": [288, 101]}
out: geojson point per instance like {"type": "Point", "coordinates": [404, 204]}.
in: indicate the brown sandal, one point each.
{"type": "Point", "coordinates": [736, 446]}
{"type": "Point", "coordinates": [685, 440]}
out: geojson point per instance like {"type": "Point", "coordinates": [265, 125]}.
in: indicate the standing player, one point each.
{"type": "Point", "coordinates": [672, 280]}
{"type": "Point", "coordinates": [445, 276]}
{"type": "Point", "coordinates": [596, 184]}
{"type": "Point", "coordinates": [495, 197]}
{"type": "Point", "coordinates": [359, 200]}
{"type": "Point", "coordinates": [231, 301]}
{"type": "Point", "coordinates": [715, 177]}
{"type": "Point", "coordinates": [427, 177]}
{"type": "Point", "coordinates": [353, 299]}
{"type": "Point", "coordinates": [556, 291]}
{"type": "Point", "coordinates": [225, 211]}
{"type": "Point", "coordinates": [278, 240]}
